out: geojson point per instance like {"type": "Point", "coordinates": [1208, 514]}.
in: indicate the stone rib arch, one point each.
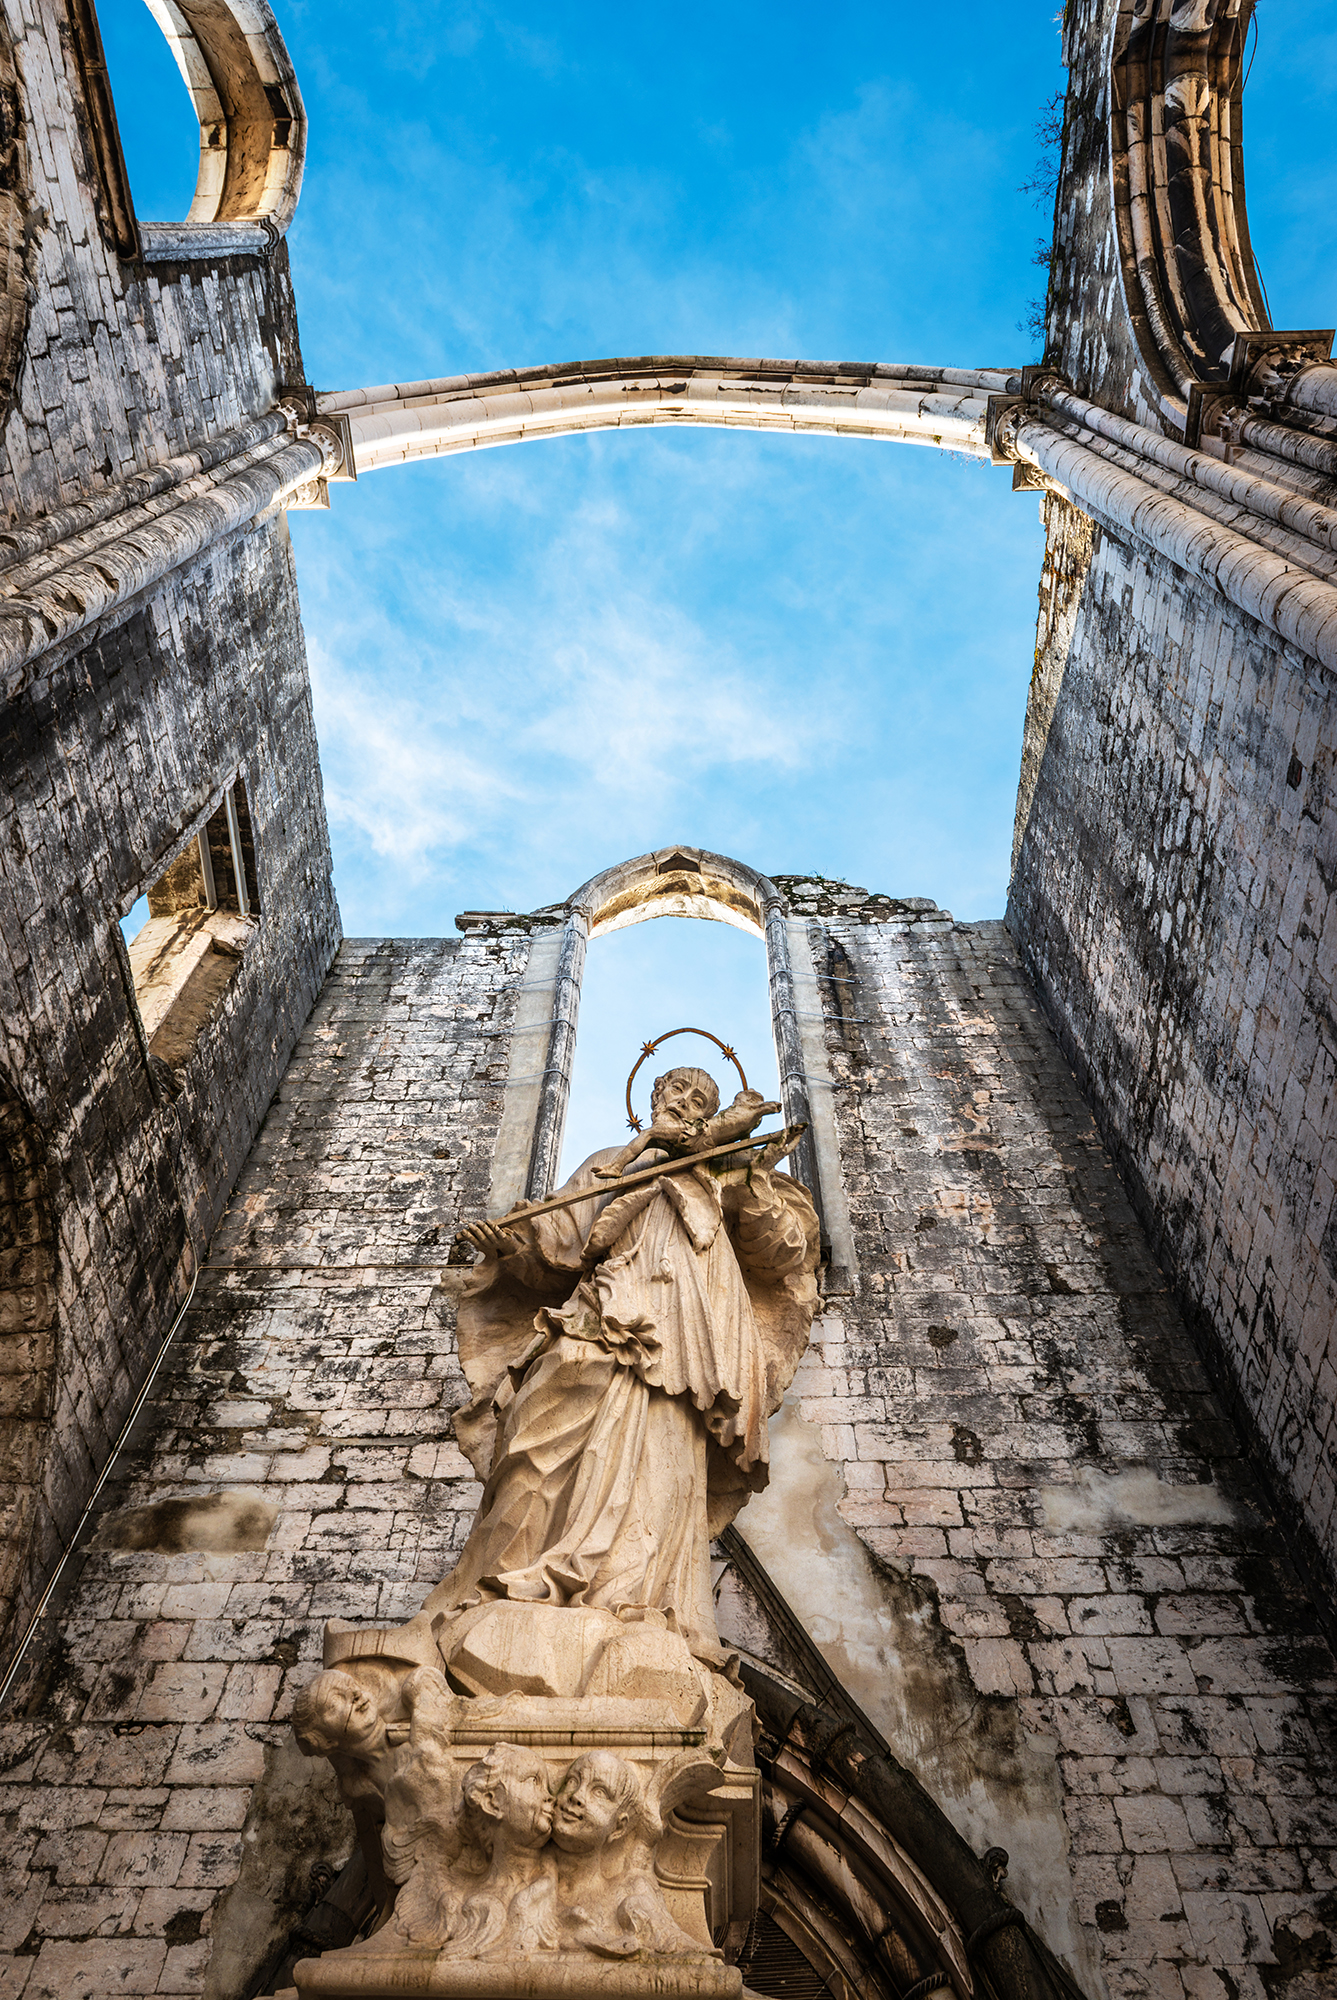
{"type": "Point", "coordinates": [678, 882]}
{"type": "Point", "coordinates": [398, 424]}
{"type": "Point", "coordinates": [1177, 163]}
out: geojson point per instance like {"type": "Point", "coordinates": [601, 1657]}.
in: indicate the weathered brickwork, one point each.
{"type": "Point", "coordinates": [155, 1769]}
{"type": "Point", "coordinates": [1090, 336]}
{"type": "Point", "coordinates": [108, 760]}
{"type": "Point", "coordinates": [1173, 895]}
{"type": "Point", "coordinates": [1080, 1572]}
{"type": "Point", "coordinates": [125, 364]}
{"type": "Point", "coordinates": [1026, 1433]}
{"type": "Point", "coordinates": [105, 768]}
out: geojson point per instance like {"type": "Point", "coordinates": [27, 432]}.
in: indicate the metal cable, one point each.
{"type": "Point", "coordinates": [44, 1600]}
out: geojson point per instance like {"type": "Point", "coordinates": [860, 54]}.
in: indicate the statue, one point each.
{"type": "Point", "coordinates": [541, 1763]}
{"type": "Point", "coordinates": [621, 1424]}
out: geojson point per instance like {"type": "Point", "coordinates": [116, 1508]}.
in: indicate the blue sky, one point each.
{"type": "Point", "coordinates": [811, 653]}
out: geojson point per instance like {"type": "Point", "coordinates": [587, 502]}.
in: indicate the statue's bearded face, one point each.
{"type": "Point", "coordinates": [685, 1093]}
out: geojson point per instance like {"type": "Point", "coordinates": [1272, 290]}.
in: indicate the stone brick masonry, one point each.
{"type": "Point", "coordinates": [109, 760]}
{"type": "Point", "coordinates": [107, 765]}
{"type": "Point", "coordinates": [1022, 1437]}
{"type": "Point", "coordinates": [1026, 1433]}
{"type": "Point", "coordinates": [1173, 897]}
{"type": "Point", "coordinates": [125, 364]}
{"type": "Point", "coordinates": [156, 1770]}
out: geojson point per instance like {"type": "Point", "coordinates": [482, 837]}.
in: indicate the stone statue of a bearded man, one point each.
{"type": "Point", "coordinates": [625, 1354]}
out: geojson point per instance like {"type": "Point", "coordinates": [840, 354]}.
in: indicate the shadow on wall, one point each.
{"type": "Point", "coordinates": [881, 1635]}
{"type": "Point", "coordinates": [27, 1347]}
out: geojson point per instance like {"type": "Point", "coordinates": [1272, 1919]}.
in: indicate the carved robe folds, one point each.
{"type": "Point", "coordinates": [551, 1767]}
{"type": "Point", "coordinates": [620, 1425]}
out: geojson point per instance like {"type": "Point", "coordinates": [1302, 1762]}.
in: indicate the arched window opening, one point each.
{"type": "Point", "coordinates": [243, 126]}
{"type": "Point", "coordinates": [159, 131]}
{"type": "Point", "coordinates": [682, 882]}
{"type": "Point", "coordinates": [641, 982]}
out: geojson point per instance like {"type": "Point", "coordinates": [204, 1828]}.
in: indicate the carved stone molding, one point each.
{"type": "Point", "coordinates": [15, 223]}
{"type": "Point", "coordinates": [594, 1826]}
{"type": "Point", "coordinates": [1176, 160]}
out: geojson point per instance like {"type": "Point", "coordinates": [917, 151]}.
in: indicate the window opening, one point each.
{"type": "Point", "coordinates": [159, 131]}
{"type": "Point", "coordinates": [667, 972]}
{"type": "Point", "coordinates": [201, 914]}
{"type": "Point", "coordinates": [134, 920]}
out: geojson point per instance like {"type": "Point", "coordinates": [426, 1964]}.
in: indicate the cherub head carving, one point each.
{"type": "Point", "coordinates": [598, 1803]}
{"type": "Point", "coordinates": [506, 1798]}
{"type": "Point", "coordinates": [336, 1716]}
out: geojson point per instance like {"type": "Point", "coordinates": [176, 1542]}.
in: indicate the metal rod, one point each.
{"type": "Point", "coordinates": [790, 1133]}
{"type": "Point", "coordinates": [73, 1543]}
{"type": "Point", "coordinates": [238, 858]}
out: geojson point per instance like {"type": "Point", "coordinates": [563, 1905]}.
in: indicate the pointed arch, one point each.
{"type": "Point", "coordinates": [678, 881]}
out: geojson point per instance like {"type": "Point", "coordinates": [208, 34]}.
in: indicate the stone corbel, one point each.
{"type": "Point", "coordinates": [1004, 415]}
{"type": "Point", "coordinates": [1285, 372]}
{"type": "Point", "coordinates": [331, 432]}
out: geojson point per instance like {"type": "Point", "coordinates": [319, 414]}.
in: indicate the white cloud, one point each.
{"type": "Point", "coordinates": [519, 721]}
{"type": "Point", "coordinates": [393, 771]}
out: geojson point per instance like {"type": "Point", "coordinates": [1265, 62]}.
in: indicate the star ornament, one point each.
{"type": "Point", "coordinates": [648, 1049]}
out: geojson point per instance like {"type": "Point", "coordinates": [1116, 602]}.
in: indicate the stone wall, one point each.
{"type": "Point", "coordinates": [1090, 337]}
{"type": "Point", "coordinates": [1172, 895]}
{"type": "Point", "coordinates": [311, 1406]}
{"type": "Point", "coordinates": [1065, 1609]}
{"type": "Point", "coordinates": [112, 755]}
{"type": "Point", "coordinates": [1004, 1503]}
{"type": "Point", "coordinates": [125, 364]}
{"type": "Point", "coordinates": [105, 768]}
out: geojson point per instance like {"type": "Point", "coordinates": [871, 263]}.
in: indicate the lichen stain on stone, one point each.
{"type": "Point", "coordinates": [880, 1633]}
{"type": "Point", "coordinates": [213, 1524]}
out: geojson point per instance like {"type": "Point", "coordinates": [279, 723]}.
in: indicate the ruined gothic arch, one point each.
{"type": "Point", "coordinates": [678, 882]}
{"type": "Point", "coordinates": [402, 423]}
{"type": "Point", "coordinates": [242, 84]}
{"type": "Point", "coordinates": [1177, 166]}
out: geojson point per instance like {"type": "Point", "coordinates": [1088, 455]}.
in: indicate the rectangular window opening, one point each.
{"type": "Point", "coordinates": [201, 914]}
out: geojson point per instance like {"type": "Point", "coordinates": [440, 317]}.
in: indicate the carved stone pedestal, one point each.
{"type": "Point", "coordinates": [584, 1821]}
{"type": "Point", "coordinates": [387, 1975]}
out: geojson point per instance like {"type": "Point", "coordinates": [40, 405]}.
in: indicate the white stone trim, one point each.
{"type": "Point", "coordinates": [400, 423]}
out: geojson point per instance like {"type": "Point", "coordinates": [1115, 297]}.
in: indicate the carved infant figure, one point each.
{"type": "Point", "coordinates": [684, 1119]}
{"type": "Point", "coordinates": [336, 1717]}
{"type": "Point", "coordinates": [492, 1862]}
{"type": "Point", "coordinates": [605, 1830]}
{"type": "Point", "coordinates": [465, 1856]}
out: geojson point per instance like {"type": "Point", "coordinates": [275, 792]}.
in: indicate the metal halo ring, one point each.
{"type": "Point", "coordinates": [648, 1049]}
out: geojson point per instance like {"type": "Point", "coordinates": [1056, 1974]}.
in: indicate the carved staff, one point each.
{"type": "Point", "coordinates": [786, 1140]}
